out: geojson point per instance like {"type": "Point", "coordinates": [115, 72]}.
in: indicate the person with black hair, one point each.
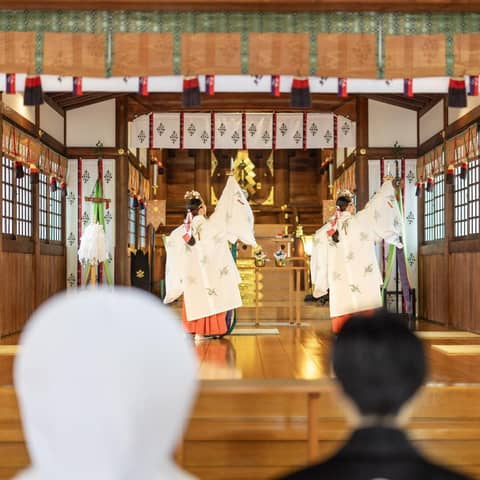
{"type": "Point", "coordinates": [344, 261]}
{"type": "Point", "coordinates": [380, 366]}
{"type": "Point", "coordinates": [200, 265]}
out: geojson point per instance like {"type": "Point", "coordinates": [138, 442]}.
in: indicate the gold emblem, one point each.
{"type": "Point", "coordinates": [140, 273]}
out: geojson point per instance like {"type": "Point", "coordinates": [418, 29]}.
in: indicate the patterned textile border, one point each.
{"type": "Point", "coordinates": [313, 23]}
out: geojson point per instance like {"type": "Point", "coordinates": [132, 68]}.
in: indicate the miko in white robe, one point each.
{"type": "Point", "coordinates": [349, 270]}
{"type": "Point", "coordinates": [205, 273]}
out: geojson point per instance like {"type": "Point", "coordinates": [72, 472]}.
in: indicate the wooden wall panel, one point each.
{"type": "Point", "coordinates": [180, 173]}
{"type": "Point", "coordinates": [19, 291]}
{"type": "Point", "coordinates": [304, 178]}
{"type": "Point", "coordinates": [52, 273]}
{"type": "Point", "coordinates": [433, 289]}
{"type": "Point", "coordinates": [464, 288]}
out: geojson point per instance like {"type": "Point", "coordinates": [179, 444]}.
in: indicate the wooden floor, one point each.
{"type": "Point", "coordinates": [238, 432]}
{"type": "Point", "coordinates": [303, 353]}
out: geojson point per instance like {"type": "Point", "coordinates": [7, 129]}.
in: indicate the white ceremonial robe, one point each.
{"type": "Point", "coordinates": [205, 273]}
{"type": "Point", "coordinates": [349, 269]}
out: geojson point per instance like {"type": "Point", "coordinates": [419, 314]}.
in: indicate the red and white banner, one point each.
{"type": "Point", "coordinates": [228, 130]}
{"type": "Point", "coordinates": [320, 133]}
{"type": "Point", "coordinates": [289, 131]}
{"type": "Point", "coordinates": [259, 131]}
{"type": "Point", "coordinates": [166, 130]}
{"type": "Point", "coordinates": [197, 131]}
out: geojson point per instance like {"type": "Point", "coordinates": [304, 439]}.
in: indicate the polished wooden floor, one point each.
{"type": "Point", "coordinates": [303, 353]}
{"type": "Point", "coordinates": [242, 431]}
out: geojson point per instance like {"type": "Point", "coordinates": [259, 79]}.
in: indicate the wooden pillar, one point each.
{"type": "Point", "coordinates": [122, 261]}
{"type": "Point", "coordinates": [361, 164]}
{"type": "Point", "coordinates": [202, 174]}
{"type": "Point", "coordinates": [449, 216]}
{"type": "Point", "coordinates": [281, 177]}
{"type": "Point", "coordinates": [161, 193]}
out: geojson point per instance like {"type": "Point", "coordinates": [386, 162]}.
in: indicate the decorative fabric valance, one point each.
{"type": "Point", "coordinates": [463, 147]}
{"type": "Point", "coordinates": [431, 164]}
{"type": "Point", "coordinates": [251, 130]}
{"type": "Point", "coordinates": [23, 148]}
{"type": "Point", "coordinates": [326, 44]}
{"type": "Point", "coordinates": [137, 183]}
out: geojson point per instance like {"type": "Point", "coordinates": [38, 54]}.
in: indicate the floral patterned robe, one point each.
{"type": "Point", "coordinates": [205, 273]}
{"type": "Point", "coordinates": [349, 269]}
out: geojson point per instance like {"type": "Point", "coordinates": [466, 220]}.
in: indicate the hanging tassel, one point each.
{"type": "Point", "coordinates": [11, 81]}
{"type": "Point", "coordinates": [408, 87]}
{"type": "Point", "coordinates": [141, 203]}
{"type": "Point", "coordinates": [33, 93]}
{"type": "Point", "coordinates": [19, 173]}
{"type": "Point", "coordinates": [450, 174]}
{"type": "Point", "coordinates": [418, 191]}
{"type": "Point", "coordinates": [275, 85]}
{"type": "Point", "coordinates": [135, 202]}
{"type": "Point", "coordinates": [34, 174]}
{"type": "Point", "coordinates": [53, 184]}
{"type": "Point", "coordinates": [473, 85]}
{"type": "Point", "coordinates": [77, 86]}
{"type": "Point", "coordinates": [463, 170]}
{"type": "Point", "coordinates": [191, 92]}
{"type": "Point", "coordinates": [457, 93]}
{"type": "Point", "coordinates": [187, 236]}
{"type": "Point", "coordinates": [63, 186]}
{"type": "Point", "coordinates": [300, 96]}
{"type": "Point", "coordinates": [210, 84]}
{"type": "Point", "coordinates": [342, 88]}
{"type": "Point", "coordinates": [430, 184]}
{"type": "Point", "coordinates": [143, 86]}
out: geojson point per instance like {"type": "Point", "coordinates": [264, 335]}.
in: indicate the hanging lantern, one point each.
{"type": "Point", "coordinates": [301, 97]}
{"type": "Point", "coordinates": [450, 174]}
{"type": "Point", "coordinates": [419, 189]}
{"type": "Point", "coordinates": [53, 184]}
{"type": "Point", "coordinates": [430, 183]}
{"type": "Point", "coordinates": [463, 170]}
{"type": "Point", "coordinates": [191, 92]}
{"type": "Point", "coordinates": [457, 93]}
{"type": "Point", "coordinates": [19, 173]}
{"type": "Point", "coordinates": [33, 93]}
{"type": "Point", "coordinates": [135, 201]}
{"type": "Point", "coordinates": [34, 174]}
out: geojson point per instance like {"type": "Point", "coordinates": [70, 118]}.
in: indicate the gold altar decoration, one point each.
{"type": "Point", "coordinates": [253, 170]}
{"type": "Point", "coordinates": [246, 268]}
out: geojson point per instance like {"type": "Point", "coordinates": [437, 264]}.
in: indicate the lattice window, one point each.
{"type": "Point", "coordinates": [7, 196]}
{"type": "Point", "coordinates": [16, 202]}
{"type": "Point", "coordinates": [132, 223]}
{"type": "Point", "coordinates": [49, 211]}
{"type": "Point", "coordinates": [55, 220]}
{"type": "Point", "coordinates": [43, 206]}
{"type": "Point", "coordinates": [434, 210]}
{"type": "Point", "coordinates": [466, 201]}
{"type": "Point", "coordinates": [142, 228]}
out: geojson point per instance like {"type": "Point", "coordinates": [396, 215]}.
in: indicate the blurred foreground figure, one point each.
{"type": "Point", "coordinates": [380, 366]}
{"type": "Point", "coordinates": [105, 381]}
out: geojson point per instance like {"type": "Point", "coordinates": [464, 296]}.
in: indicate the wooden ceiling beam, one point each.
{"type": "Point", "coordinates": [397, 100]}
{"type": "Point", "coordinates": [251, 5]}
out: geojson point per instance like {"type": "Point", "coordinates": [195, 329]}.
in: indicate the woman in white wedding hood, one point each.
{"type": "Point", "coordinates": [105, 381]}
